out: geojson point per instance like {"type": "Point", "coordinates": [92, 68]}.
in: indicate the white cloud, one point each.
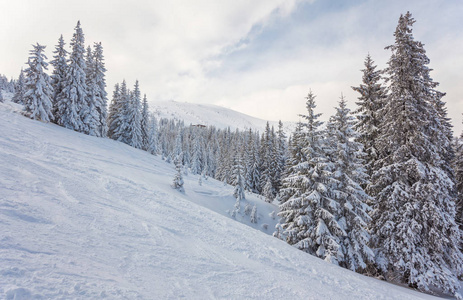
{"type": "Point", "coordinates": [259, 57]}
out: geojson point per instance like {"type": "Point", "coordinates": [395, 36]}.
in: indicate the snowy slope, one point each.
{"type": "Point", "coordinates": [206, 114]}
{"type": "Point", "coordinates": [90, 218]}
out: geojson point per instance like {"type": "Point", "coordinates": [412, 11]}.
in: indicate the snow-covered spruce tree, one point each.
{"type": "Point", "coordinates": [118, 119]}
{"type": "Point", "coordinates": [114, 109]}
{"type": "Point", "coordinates": [1, 96]}
{"type": "Point", "coordinates": [178, 179]}
{"type": "Point", "coordinates": [275, 160]}
{"type": "Point", "coordinates": [247, 209]}
{"type": "Point", "coordinates": [204, 157]}
{"type": "Point", "coordinates": [238, 181]}
{"type": "Point", "coordinates": [442, 130]}
{"type": "Point", "coordinates": [145, 125]}
{"type": "Point", "coordinates": [292, 186]}
{"type": "Point", "coordinates": [58, 76]}
{"type": "Point", "coordinates": [224, 159]}
{"type": "Point", "coordinates": [295, 156]}
{"type": "Point", "coordinates": [18, 96]}
{"type": "Point", "coordinates": [370, 102]}
{"type": "Point", "coordinates": [37, 98]}
{"type": "Point", "coordinates": [280, 155]}
{"type": "Point", "coordinates": [71, 101]}
{"type": "Point", "coordinates": [413, 222]}
{"type": "Point", "coordinates": [236, 208]}
{"type": "Point", "coordinates": [5, 84]}
{"type": "Point", "coordinates": [153, 135]}
{"type": "Point", "coordinates": [178, 150]}
{"type": "Point", "coordinates": [269, 159]}
{"type": "Point", "coordinates": [186, 147]}
{"type": "Point", "coordinates": [348, 192]}
{"type": "Point", "coordinates": [254, 214]}
{"type": "Point", "coordinates": [210, 167]}
{"type": "Point", "coordinates": [247, 162]}
{"type": "Point", "coordinates": [101, 96]}
{"type": "Point", "coordinates": [252, 163]}
{"type": "Point", "coordinates": [196, 158]}
{"type": "Point", "coordinates": [267, 191]}
{"type": "Point", "coordinates": [308, 219]}
{"type": "Point", "coordinates": [134, 119]}
{"type": "Point", "coordinates": [89, 115]}
{"type": "Point", "coordinates": [458, 168]}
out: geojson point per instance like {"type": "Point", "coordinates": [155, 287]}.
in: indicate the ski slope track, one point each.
{"type": "Point", "coordinates": [90, 218]}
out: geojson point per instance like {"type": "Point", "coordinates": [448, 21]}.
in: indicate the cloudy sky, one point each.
{"type": "Point", "coordinates": [259, 57]}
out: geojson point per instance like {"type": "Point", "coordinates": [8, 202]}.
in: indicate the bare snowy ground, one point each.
{"type": "Point", "coordinates": [90, 218]}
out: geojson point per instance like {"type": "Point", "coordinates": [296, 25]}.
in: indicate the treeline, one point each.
{"type": "Point", "coordinates": [251, 161]}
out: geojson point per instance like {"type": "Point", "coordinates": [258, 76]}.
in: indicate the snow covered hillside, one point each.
{"type": "Point", "coordinates": [207, 114]}
{"type": "Point", "coordinates": [90, 218]}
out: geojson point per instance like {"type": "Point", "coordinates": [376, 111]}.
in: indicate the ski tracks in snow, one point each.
{"type": "Point", "coordinates": [89, 218]}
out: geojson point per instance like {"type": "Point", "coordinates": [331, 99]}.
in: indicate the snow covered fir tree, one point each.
{"type": "Point", "coordinates": [370, 102]}
{"type": "Point", "coordinates": [38, 90]}
{"type": "Point", "coordinates": [378, 191]}
{"type": "Point", "coordinates": [413, 222]}
{"type": "Point", "coordinates": [178, 179]}
{"type": "Point", "coordinates": [308, 208]}
{"type": "Point", "coordinates": [72, 103]}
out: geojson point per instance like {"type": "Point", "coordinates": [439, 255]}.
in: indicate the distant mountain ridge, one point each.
{"type": "Point", "coordinates": [213, 115]}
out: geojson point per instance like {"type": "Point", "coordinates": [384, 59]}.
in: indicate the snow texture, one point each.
{"type": "Point", "coordinates": [90, 218]}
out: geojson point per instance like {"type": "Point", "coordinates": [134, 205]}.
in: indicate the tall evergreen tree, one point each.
{"type": "Point", "coordinates": [370, 102]}
{"type": "Point", "coordinates": [295, 157]}
{"type": "Point", "coordinates": [178, 178]}
{"type": "Point", "coordinates": [280, 155]}
{"type": "Point", "coordinates": [134, 118]}
{"type": "Point", "coordinates": [122, 132]}
{"type": "Point", "coordinates": [115, 108]}
{"type": "Point", "coordinates": [101, 96]}
{"type": "Point", "coordinates": [37, 99]}
{"type": "Point", "coordinates": [153, 142]}
{"type": "Point", "coordinates": [238, 181]}
{"type": "Point", "coordinates": [350, 175]}
{"type": "Point", "coordinates": [177, 152]}
{"type": "Point", "coordinates": [413, 226]}
{"type": "Point", "coordinates": [18, 96]}
{"type": "Point", "coordinates": [89, 115]}
{"type": "Point", "coordinates": [196, 158]}
{"type": "Point", "coordinates": [458, 168]}
{"type": "Point", "coordinates": [71, 101]}
{"type": "Point", "coordinates": [145, 124]}
{"type": "Point", "coordinates": [267, 191]}
{"type": "Point", "coordinates": [58, 76]}
{"type": "Point", "coordinates": [308, 215]}
{"type": "Point", "coordinates": [255, 171]}
{"type": "Point", "coordinates": [269, 160]}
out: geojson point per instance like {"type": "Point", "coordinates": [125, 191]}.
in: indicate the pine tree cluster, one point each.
{"type": "Point", "coordinates": [74, 96]}
{"type": "Point", "coordinates": [378, 195]}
